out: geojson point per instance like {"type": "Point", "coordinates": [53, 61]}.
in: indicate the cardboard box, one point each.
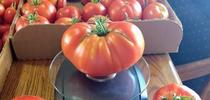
{"type": "Point", "coordinates": [43, 41]}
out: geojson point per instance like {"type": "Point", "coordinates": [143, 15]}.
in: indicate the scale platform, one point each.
{"type": "Point", "coordinates": [70, 84]}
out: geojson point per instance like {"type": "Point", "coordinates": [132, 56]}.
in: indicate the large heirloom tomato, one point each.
{"type": "Point", "coordinates": [102, 49]}
{"type": "Point", "coordinates": [25, 20]}
{"type": "Point", "coordinates": [122, 9]}
{"type": "Point", "coordinates": [42, 7]}
{"type": "Point", "coordinates": [175, 92]}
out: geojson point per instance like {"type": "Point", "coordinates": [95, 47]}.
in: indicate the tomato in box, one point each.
{"type": "Point", "coordinates": [69, 11]}
{"type": "Point", "coordinates": [93, 8]}
{"type": "Point", "coordinates": [9, 14]}
{"type": "Point", "coordinates": [155, 11]}
{"type": "Point", "coordinates": [125, 9]}
{"type": "Point", "coordinates": [25, 20]}
{"type": "Point", "coordinates": [42, 7]}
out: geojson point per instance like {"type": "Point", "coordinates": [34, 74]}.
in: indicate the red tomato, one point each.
{"type": "Point", "coordinates": [155, 11]}
{"type": "Point", "coordinates": [61, 4]}
{"type": "Point", "coordinates": [1, 45]}
{"type": "Point", "coordinates": [9, 14]}
{"type": "Point", "coordinates": [28, 98]}
{"type": "Point", "coordinates": [106, 3]}
{"type": "Point", "coordinates": [69, 11]}
{"type": "Point", "coordinates": [93, 8]}
{"type": "Point", "coordinates": [42, 7]}
{"type": "Point", "coordinates": [30, 19]}
{"type": "Point", "coordinates": [144, 3]}
{"type": "Point", "coordinates": [4, 28]}
{"type": "Point", "coordinates": [8, 3]}
{"type": "Point", "coordinates": [66, 21]}
{"type": "Point", "coordinates": [5, 36]}
{"type": "Point", "coordinates": [54, 2]}
{"type": "Point", "coordinates": [94, 18]}
{"type": "Point", "coordinates": [1, 20]}
{"type": "Point", "coordinates": [151, 1]}
{"type": "Point", "coordinates": [173, 91]}
{"type": "Point", "coordinates": [2, 9]}
{"type": "Point", "coordinates": [84, 2]}
{"type": "Point", "coordinates": [111, 48]}
{"type": "Point", "coordinates": [125, 9]}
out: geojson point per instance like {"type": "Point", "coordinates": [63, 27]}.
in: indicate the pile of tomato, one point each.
{"type": "Point", "coordinates": [57, 11]}
{"type": "Point", "coordinates": [7, 14]}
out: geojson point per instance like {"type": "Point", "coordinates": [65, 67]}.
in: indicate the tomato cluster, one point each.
{"type": "Point", "coordinates": [46, 12]}
{"type": "Point", "coordinates": [57, 11]}
{"type": "Point", "coordinates": [118, 10]}
{"type": "Point", "coordinates": [7, 14]}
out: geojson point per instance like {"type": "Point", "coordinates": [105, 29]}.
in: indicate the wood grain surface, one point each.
{"type": "Point", "coordinates": [31, 77]}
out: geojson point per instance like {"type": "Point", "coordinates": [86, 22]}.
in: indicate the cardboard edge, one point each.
{"type": "Point", "coordinates": [33, 34]}
{"type": "Point", "coordinates": [6, 60]}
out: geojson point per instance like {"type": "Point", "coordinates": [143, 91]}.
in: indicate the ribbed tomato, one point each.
{"type": "Point", "coordinates": [155, 11]}
{"type": "Point", "coordinates": [93, 8]}
{"type": "Point", "coordinates": [42, 7]}
{"type": "Point", "coordinates": [69, 11]}
{"type": "Point", "coordinates": [125, 9]}
{"type": "Point", "coordinates": [175, 92]}
{"type": "Point", "coordinates": [66, 21]}
{"type": "Point", "coordinates": [26, 20]}
{"type": "Point", "coordinates": [103, 49]}
{"type": "Point", "coordinates": [106, 3]}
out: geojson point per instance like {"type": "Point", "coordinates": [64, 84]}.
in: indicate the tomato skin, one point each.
{"type": "Point", "coordinates": [69, 11]}
{"type": "Point", "coordinates": [155, 11]}
{"type": "Point", "coordinates": [61, 4]}
{"type": "Point", "coordinates": [179, 90]}
{"type": "Point", "coordinates": [54, 2]}
{"type": "Point", "coordinates": [93, 19]}
{"type": "Point", "coordinates": [4, 28]}
{"type": "Point", "coordinates": [119, 8]}
{"type": "Point", "coordinates": [106, 3]}
{"type": "Point", "coordinates": [8, 3]}
{"type": "Point", "coordinates": [28, 98]}
{"type": "Point", "coordinates": [91, 9]}
{"type": "Point", "coordinates": [45, 9]}
{"type": "Point", "coordinates": [64, 21]}
{"type": "Point", "coordinates": [2, 10]}
{"type": "Point", "coordinates": [84, 2]}
{"type": "Point", "coordinates": [23, 21]}
{"type": "Point", "coordinates": [103, 55]}
{"type": "Point", "coordinates": [5, 36]}
{"type": "Point", "coordinates": [9, 15]}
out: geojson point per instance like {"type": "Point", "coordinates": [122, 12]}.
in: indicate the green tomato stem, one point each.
{"type": "Point", "coordinates": [95, 1]}
{"type": "Point", "coordinates": [36, 2]}
{"type": "Point", "coordinates": [101, 29]}
{"type": "Point", "coordinates": [32, 17]}
{"type": "Point", "coordinates": [75, 20]}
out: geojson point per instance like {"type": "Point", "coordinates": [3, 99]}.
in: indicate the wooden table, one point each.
{"type": "Point", "coordinates": [31, 77]}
